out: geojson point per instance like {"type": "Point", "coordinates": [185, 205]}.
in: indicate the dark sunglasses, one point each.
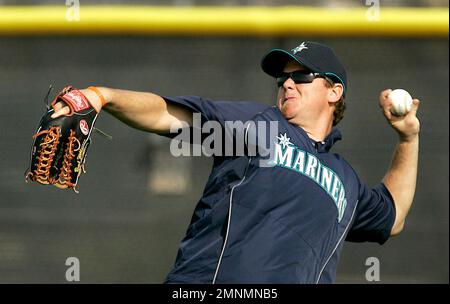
{"type": "Point", "coordinates": [298, 77]}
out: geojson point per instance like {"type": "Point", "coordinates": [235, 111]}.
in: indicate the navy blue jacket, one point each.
{"type": "Point", "coordinates": [281, 218]}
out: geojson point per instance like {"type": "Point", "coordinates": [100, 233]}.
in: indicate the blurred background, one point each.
{"type": "Point", "coordinates": [136, 200]}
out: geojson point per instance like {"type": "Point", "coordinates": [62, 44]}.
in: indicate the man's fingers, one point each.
{"type": "Point", "coordinates": [385, 93]}
{"type": "Point", "coordinates": [60, 112]}
{"type": "Point", "coordinates": [415, 106]}
{"type": "Point", "coordinates": [57, 106]}
{"type": "Point", "coordinates": [385, 104]}
{"type": "Point", "coordinates": [384, 98]}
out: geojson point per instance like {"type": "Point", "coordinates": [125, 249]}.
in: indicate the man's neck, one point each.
{"type": "Point", "coordinates": [318, 130]}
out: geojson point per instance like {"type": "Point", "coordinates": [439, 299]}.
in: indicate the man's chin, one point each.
{"type": "Point", "coordinates": [287, 113]}
{"type": "Point", "coordinates": [288, 109]}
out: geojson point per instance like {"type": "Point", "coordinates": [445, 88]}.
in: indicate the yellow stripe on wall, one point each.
{"type": "Point", "coordinates": [228, 21]}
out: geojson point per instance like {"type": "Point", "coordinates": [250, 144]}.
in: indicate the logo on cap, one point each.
{"type": "Point", "coordinates": [300, 48]}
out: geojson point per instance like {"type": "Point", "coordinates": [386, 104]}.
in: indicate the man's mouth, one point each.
{"type": "Point", "coordinates": [287, 98]}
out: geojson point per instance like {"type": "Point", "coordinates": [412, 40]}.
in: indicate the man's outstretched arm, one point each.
{"type": "Point", "coordinates": [141, 110]}
{"type": "Point", "coordinates": [401, 176]}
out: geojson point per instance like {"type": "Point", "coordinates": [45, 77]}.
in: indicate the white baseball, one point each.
{"type": "Point", "coordinates": [401, 102]}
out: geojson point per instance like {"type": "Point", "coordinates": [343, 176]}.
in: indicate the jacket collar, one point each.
{"type": "Point", "coordinates": [325, 145]}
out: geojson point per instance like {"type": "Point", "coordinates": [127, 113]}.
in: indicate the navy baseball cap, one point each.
{"type": "Point", "coordinates": [316, 57]}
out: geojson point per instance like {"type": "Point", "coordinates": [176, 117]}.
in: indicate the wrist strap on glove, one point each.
{"type": "Point", "coordinates": [99, 94]}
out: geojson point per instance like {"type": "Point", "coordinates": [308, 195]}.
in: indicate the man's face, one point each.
{"type": "Point", "coordinates": [304, 102]}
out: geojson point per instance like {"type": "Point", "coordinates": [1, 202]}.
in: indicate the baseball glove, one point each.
{"type": "Point", "coordinates": [59, 147]}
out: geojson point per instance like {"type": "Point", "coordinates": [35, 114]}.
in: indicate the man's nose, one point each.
{"type": "Point", "coordinates": [289, 84]}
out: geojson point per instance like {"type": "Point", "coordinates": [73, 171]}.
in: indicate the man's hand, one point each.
{"type": "Point", "coordinates": [401, 176]}
{"type": "Point", "coordinates": [407, 126]}
{"type": "Point", "coordinates": [62, 109]}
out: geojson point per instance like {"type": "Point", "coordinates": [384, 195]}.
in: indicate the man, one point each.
{"type": "Point", "coordinates": [284, 222]}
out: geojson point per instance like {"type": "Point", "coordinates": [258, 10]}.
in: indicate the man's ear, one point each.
{"type": "Point", "coordinates": [335, 93]}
